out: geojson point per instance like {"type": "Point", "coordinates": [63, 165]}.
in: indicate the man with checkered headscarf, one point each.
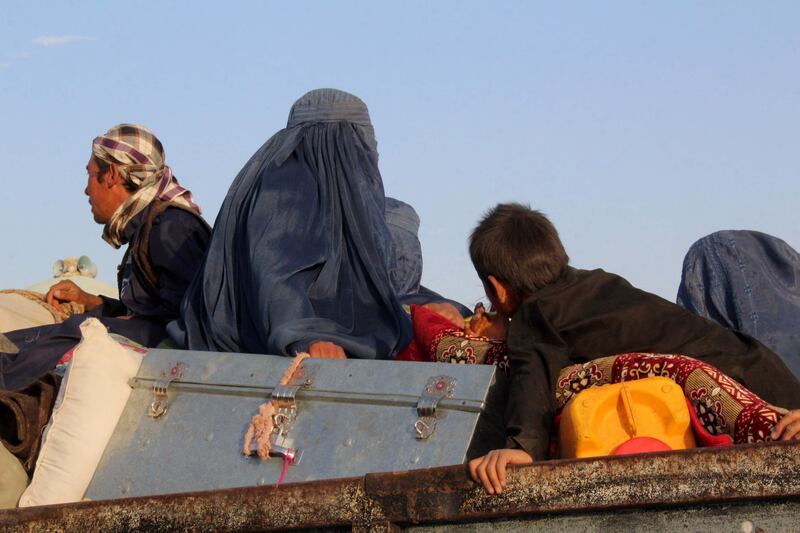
{"type": "Point", "coordinates": [134, 194]}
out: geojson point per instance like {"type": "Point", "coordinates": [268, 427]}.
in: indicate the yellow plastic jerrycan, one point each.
{"type": "Point", "coordinates": [633, 416]}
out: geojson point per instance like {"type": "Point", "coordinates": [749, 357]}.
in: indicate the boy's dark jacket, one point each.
{"type": "Point", "coordinates": [589, 314]}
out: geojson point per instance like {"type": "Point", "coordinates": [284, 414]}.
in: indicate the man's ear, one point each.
{"type": "Point", "coordinates": [113, 176]}
{"type": "Point", "coordinates": [507, 298]}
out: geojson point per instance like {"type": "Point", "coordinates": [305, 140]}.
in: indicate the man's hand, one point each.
{"type": "Point", "coordinates": [490, 470]}
{"type": "Point", "coordinates": [448, 311]}
{"type": "Point", "coordinates": [788, 427]}
{"type": "Point", "coordinates": [326, 350]}
{"type": "Point", "coordinates": [67, 291]}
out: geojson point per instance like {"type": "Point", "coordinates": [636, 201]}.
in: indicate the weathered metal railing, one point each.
{"type": "Point", "coordinates": [751, 473]}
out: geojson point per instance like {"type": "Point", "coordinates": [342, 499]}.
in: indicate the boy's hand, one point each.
{"type": "Point", "coordinates": [490, 470]}
{"type": "Point", "coordinates": [788, 427]}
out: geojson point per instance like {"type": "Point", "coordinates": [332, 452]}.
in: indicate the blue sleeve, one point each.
{"type": "Point", "coordinates": [111, 307]}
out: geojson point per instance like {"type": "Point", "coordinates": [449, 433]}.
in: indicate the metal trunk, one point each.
{"type": "Point", "coordinates": [346, 418]}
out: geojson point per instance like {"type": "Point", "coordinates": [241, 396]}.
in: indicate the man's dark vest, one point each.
{"type": "Point", "coordinates": [139, 249]}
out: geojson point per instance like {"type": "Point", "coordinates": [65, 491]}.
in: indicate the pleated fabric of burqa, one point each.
{"type": "Point", "coordinates": [300, 249]}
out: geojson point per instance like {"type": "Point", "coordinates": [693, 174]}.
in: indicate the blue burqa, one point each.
{"type": "Point", "coordinates": [300, 248]}
{"type": "Point", "coordinates": [747, 281]}
{"type": "Point", "coordinates": [405, 270]}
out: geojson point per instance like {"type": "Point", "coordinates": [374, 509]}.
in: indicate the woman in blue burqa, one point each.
{"type": "Point", "coordinates": [748, 281]}
{"type": "Point", "coordinates": [299, 257]}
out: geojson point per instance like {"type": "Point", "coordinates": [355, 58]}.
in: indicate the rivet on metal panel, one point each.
{"type": "Point", "coordinates": [304, 375]}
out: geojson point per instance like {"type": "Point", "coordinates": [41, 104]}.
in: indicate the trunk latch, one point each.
{"type": "Point", "coordinates": [438, 387]}
{"type": "Point", "coordinates": [160, 402]}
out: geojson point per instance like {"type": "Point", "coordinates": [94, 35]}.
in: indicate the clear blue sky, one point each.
{"type": "Point", "coordinates": [637, 126]}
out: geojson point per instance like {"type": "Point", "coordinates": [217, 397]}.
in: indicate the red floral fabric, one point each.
{"type": "Point", "coordinates": [436, 339]}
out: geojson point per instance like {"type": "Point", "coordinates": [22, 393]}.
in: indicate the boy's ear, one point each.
{"type": "Point", "coordinates": [507, 299]}
{"type": "Point", "coordinates": [498, 288]}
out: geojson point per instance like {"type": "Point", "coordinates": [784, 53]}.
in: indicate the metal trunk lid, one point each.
{"type": "Point", "coordinates": [353, 417]}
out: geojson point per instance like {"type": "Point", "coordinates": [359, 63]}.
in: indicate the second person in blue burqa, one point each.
{"type": "Point", "coordinates": [299, 257]}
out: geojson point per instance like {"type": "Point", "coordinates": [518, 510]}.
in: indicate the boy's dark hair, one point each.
{"type": "Point", "coordinates": [519, 246]}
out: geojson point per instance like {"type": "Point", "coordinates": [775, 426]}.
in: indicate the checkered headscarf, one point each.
{"type": "Point", "coordinates": [140, 158]}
